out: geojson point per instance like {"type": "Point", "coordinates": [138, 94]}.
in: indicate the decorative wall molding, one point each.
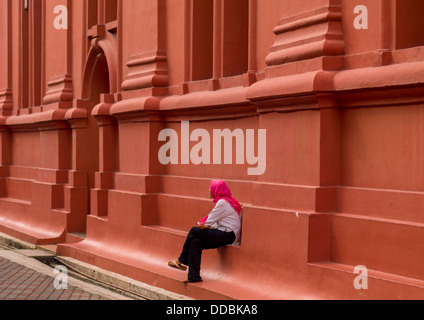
{"type": "Point", "coordinates": [59, 90]}
{"type": "Point", "coordinates": [6, 102]}
{"type": "Point", "coordinates": [311, 34]}
{"type": "Point", "coordinates": [146, 70]}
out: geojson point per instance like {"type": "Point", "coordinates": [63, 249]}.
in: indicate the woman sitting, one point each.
{"type": "Point", "coordinates": [219, 228]}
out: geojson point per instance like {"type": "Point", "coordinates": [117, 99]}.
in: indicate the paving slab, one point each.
{"type": "Point", "coordinates": [25, 278]}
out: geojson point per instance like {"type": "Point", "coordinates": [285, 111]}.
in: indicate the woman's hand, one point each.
{"type": "Point", "coordinates": [203, 227]}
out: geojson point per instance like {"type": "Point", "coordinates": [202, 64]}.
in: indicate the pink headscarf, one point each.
{"type": "Point", "coordinates": [220, 190]}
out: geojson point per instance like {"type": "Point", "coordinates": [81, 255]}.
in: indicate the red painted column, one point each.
{"type": "Point", "coordinates": [144, 54]}
{"type": "Point", "coordinates": [108, 157]}
{"type": "Point", "coordinates": [54, 131]}
{"type": "Point", "coordinates": [304, 132]}
{"type": "Point", "coordinates": [306, 36]}
{"type": "Point", "coordinates": [58, 58]}
{"type": "Point", "coordinates": [144, 83]}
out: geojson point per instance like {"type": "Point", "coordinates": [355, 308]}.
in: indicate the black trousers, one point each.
{"type": "Point", "coordinates": [199, 240]}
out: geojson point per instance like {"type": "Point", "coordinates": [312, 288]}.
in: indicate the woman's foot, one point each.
{"type": "Point", "coordinates": [176, 264]}
{"type": "Point", "coordinates": [192, 281]}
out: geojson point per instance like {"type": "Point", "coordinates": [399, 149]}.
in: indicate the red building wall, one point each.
{"type": "Point", "coordinates": [338, 89]}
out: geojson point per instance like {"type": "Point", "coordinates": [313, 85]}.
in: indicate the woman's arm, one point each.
{"type": "Point", "coordinates": [217, 214]}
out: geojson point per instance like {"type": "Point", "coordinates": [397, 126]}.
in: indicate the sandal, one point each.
{"type": "Point", "coordinates": [177, 265]}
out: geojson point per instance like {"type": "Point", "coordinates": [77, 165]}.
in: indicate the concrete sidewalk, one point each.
{"type": "Point", "coordinates": [27, 273]}
{"type": "Point", "coordinates": [25, 278]}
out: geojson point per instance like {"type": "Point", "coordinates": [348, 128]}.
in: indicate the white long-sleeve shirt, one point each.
{"type": "Point", "coordinates": [224, 218]}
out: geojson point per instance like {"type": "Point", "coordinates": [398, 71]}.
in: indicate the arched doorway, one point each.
{"type": "Point", "coordinates": [100, 84]}
{"type": "Point", "coordinates": [88, 143]}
